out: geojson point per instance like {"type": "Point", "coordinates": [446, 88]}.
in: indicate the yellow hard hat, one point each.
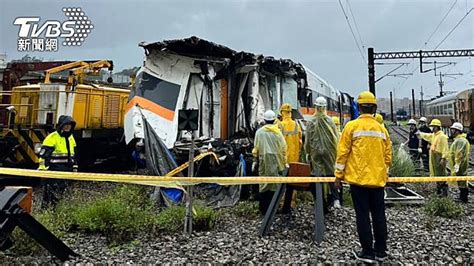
{"type": "Point", "coordinates": [366, 97]}
{"type": "Point", "coordinates": [379, 118]}
{"type": "Point", "coordinates": [336, 120]}
{"type": "Point", "coordinates": [435, 123]}
{"type": "Point", "coordinates": [286, 107]}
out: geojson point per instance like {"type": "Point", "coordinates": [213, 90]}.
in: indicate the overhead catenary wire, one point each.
{"type": "Point", "coordinates": [454, 28]}
{"type": "Point", "coordinates": [356, 26]}
{"type": "Point", "coordinates": [352, 31]}
{"type": "Point", "coordinates": [441, 22]}
{"type": "Point", "coordinates": [427, 41]}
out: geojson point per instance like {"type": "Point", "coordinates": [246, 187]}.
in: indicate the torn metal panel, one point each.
{"type": "Point", "coordinates": [210, 77]}
{"type": "Point", "coordinates": [180, 80]}
{"type": "Point", "coordinates": [254, 88]}
{"type": "Point", "coordinates": [191, 47]}
{"type": "Point", "coordinates": [289, 89]}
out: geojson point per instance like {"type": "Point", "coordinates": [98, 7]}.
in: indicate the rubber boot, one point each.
{"type": "Point", "coordinates": [463, 194]}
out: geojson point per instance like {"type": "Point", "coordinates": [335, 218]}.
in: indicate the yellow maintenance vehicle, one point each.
{"type": "Point", "coordinates": [34, 110]}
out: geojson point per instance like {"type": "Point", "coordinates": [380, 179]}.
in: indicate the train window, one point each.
{"type": "Point", "coordinates": [308, 99]}
{"type": "Point", "coordinates": [331, 105]}
{"type": "Point", "coordinates": [154, 89]}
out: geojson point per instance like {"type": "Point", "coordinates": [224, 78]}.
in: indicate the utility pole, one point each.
{"type": "Point", "coordinates": [371, 65]}
{"type": "Point", "coordinates": [409, 109]}
{"type": "Point", "coordinates": [394, 102]}
{"type": "Point", "coordinates": [391, 107]}
{"type": "Point", "coordinates": [413, 102]}
{"type": "Point", "coordinates": [421, 101]}
{"type": "Point", "coordinates": [441, 84]}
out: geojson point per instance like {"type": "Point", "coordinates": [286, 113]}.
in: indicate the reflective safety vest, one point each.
{"type": "Point", "coordinates": [61, 154]}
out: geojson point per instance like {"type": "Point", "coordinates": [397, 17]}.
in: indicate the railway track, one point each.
{"type": "Point", "coordinates": [400, 133]}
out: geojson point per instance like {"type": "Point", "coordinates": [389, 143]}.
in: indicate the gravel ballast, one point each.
{"type": "Point", "coordinates": [414, 237]}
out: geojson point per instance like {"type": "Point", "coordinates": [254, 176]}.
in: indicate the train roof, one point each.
{"type": "Point", "coordinates": [446, 98]}
{"type": "Point", "coordinates": [313, 79]}
{"type": "Point", "coordinates": [82, 86]}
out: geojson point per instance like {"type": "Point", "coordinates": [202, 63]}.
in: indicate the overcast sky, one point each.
{"type": "Point", "coordinates": [314, 33]}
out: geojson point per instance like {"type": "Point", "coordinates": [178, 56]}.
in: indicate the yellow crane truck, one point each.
{"type": "Point", "coordinates": [34, 110]}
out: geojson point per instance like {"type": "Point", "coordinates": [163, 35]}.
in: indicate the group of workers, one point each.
{"type": "Point", "coordinates": [360, 155]}
{"type": "Point", "coordinates": [440, 158]}
{"type": "Point", "coordinates": [280, 142]}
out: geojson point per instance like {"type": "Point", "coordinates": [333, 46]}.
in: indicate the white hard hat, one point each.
{"type": "Point", "coordinates": [321, 102]}
{"type": "Point", "coordinates": [411, 122]}
{"type": "Point", "coordinates": [457, 126]}
{"type": "Point", "coordinates": [423, 119]}
{"type": "Point", "coordinates": [269, 115]}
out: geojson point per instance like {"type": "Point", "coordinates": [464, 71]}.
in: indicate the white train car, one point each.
{"type": "Point", "coordinates": [339, 104]}
{"type": "Point", "coordinates": [443, 108]}
{"type": "Point", "coordinates": [231, 89]}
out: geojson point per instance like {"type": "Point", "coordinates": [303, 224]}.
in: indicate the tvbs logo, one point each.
{"type": "Point", "coordinates": [36, 36]}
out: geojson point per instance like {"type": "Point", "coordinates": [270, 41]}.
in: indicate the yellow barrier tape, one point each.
{"type": "Point", "coordinates": [178, 182]}
{"type": "Point", "coordinates": [185, 165]}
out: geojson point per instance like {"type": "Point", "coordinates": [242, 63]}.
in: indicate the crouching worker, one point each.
{"type": "Point", "coordinates": [459, 154]}
{"type": "Point", "coordinates": [57, 154]}
{"type": "Point", "coordinates": [270, 154]}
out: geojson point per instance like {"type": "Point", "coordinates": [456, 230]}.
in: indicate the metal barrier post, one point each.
{"type": "Point", "coordinates": [188, 223]}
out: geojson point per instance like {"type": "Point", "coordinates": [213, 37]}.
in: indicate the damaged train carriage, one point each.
{"type": "Point", "coordinates": [230, 89]}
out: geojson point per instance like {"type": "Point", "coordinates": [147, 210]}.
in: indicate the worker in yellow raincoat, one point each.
{"type": "Point", "coordinates": [364, 155]}
{"type": "Point", "coordinates": [459, 154]}
{"type": "Point", "coordinates": [293, 134]}
{"type": "Point", "coordinates": [379, 119]}
{"type": "Point", "coordinates": [337, 122]}
{"type": "Point", "coordinates": [439, 154]}
{"type": "Point", "coordinates": [320, 148]}
{"type": "Point", "coordinates": [270, 155]}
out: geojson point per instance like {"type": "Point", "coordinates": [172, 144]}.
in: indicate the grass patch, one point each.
{"type": "Point", "coordinates": [443, 207]}
{"type": "Point", "coordinates": [171, 219]}
{"type": "Point", "coordinates": [204, 218]}
{"type": "Point", "coordinates": [247, 209]}
{"type": "Point", "coordinates": [304, 197]}
{"type": "Point", "coordinates": [402, 165]}
{"type": "Point", "coordinates": [347, 198]}
{"type": "Point", "coordinates": [119, 215]}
